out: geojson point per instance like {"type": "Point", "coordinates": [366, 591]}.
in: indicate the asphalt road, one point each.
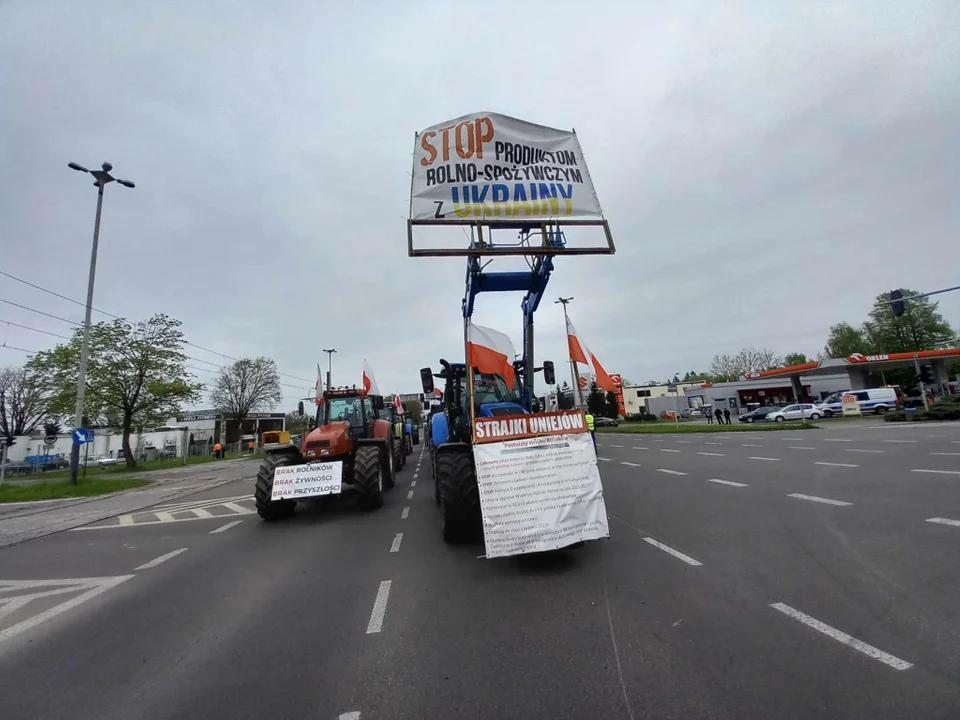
{"type": "Point", "coordinates": [810, 582]}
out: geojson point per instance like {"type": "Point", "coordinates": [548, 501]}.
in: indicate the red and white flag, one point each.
{"type": "Point", "coordinates": [579, 352]}
{"type": "Point", "coordinates": [369, 380]}
{"type": "Point", "coordinates": [398, 403]}
{"type": "Point", "coordinates": [490, 351]}
{"type": "Point", "coordinates": [319, 387]}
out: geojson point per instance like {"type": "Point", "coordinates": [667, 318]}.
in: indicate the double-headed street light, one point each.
{"type": "Point", "coordinates": [101, 178]}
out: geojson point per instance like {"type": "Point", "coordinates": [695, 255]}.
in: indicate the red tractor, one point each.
{"type": "Point", "coordinates": [348, 451]}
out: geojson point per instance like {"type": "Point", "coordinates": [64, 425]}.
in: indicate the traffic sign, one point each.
{"type": "Point", "coordinates": [82, 435]}
{"type": "Point", "coordinates": [671, 386]}
{"type": "Point", "coordinates": [50, 440]}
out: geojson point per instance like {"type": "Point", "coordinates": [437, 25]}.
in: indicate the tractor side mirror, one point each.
{"type": "Point", "coordinates": [300, 408]}
{"type": "Point", "coordinates": [426, 380]}
{"type": "Point", "coordinates": [549, 376]}
{"type": "Point", "coordinates": [378, 402]}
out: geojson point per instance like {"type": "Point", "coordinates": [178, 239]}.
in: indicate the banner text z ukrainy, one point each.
{"type": "Point", "coordinates": [487, 165]}
{"type": "Point", "coordinates": [515, 427]}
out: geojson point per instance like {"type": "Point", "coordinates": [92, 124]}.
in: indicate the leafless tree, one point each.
{"type": "Point", "coordinates": [23, 403]}
{"type": "Point", "coordinates": [248, 385]}
{"type": "Point", "coordinates": [748, 360]}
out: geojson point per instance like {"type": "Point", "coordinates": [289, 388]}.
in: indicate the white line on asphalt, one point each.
{"type": "Point", "coordinates": [637, 447]}
{"type": "Point", "coordinates": [712, 454]}
{"type": "Point", "coordinates": [379, 608]}
{"type": "Point", "coordinates": [200, 512]}
{"type": "Point", "coordinates": [839, 636]}
{"type": "Point", "coordinates": [836, 464]}
{"type": "Point", "coordinates": [161, 559]}
{"type": "Point", "coordinates": [867, 451]}
{"type": "Point", "coordinates": [224, 528]}
{"type": "Point", "coordinates": [397, 539]}
{"type": "Point", "coordinates": [413, 483]}
{"type": "Point", "coordinates": [616, 446]}
{"type": "Point", "coordinates": [727, 482]}
{"type": "Point", "coordinates": [763, 458]}
{"type": "Point", "coordinates": [800, 447]}
{"type": "Point", "coordinates": [416, 475]}
{"type": "Point", "coordinates": [352, 715]}
{"type": "Point", "coordinates": [944, 521]}
{"type": "Point", "coordinates": [939, 472]}
{"type": "Point", "coordinates": [814, 498]}
{"type": "Point", "coordinates": [165, 517]}
{"type": "Point", "coordinates": [657, 439]}
{"type": "Point", "coordinates": [685, 442]}
{"type": "Point", "coordinates": [624, 462]}
{"type": "Point", "coordinates": [236, 508]}
{"type": "Point", "coordinates": [604, 459]}
{"type": "Point", "coordinates": [126, 519]}
{"type": "Point", "coordinates": [403, 515]}
{"type": "Point", "coordinates": [791, 438]}
{"type": "Point", "coordinates": [668, 450]}
{"type": "Point", "coordinates": [670, 472]}
{"type": "Point", "coordinates": [748, 445]}
{"type": "Point", "coordinates": [899, 441]}
{"type": "Point", "coordinates": [837, 440]}
{"type": "Point", "coordinates": [712, 443]}
{"type": "Point", "coordinates": [943, 453]}
{"type": "Point", "coordinates": [676, 553]}
{"type": "Point", "coordinates": [410, 495]}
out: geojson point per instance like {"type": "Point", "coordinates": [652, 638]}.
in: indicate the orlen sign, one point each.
{"type": "Point", "coordinates": [860, 357]}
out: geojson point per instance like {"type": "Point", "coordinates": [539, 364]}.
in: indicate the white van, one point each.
{"type": "Point", "coordinates": [875, 400]}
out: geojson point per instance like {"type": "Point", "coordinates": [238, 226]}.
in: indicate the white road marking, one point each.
{"type": "Point", "coordinates": [658, 439]}
{"type": "Point", "coordinates": [899, 441]}
{"type": "Point", "coordinates": [161, 559]}
{"type": "Point", "coordinates": [943, 453]}
{"type": "Point", "coordinates": [939, 472]}
{"type": "Point", "coordinates": [165, 517]}
{"type": "Point", "coordinates": [685, 442]}
{"type": "Point", "coordinates": [403, 515]}
{"type": "Point", "coordinates": [867, 451]}
{"type": "Point", "coordinates": [413, 483]}
{"type": "Point", "coordinates": [712, 443]}
{"type": "Point", "coordinates": [800, 447]}
{"type": "Point", "coordinates": [676, 553]}
{"type": "Point", "coordinates": [352, 715]}
{"type": "Point", "coordinates": [727, 482]}
{"type": "Point", "coordinates": [670, 472]}
{"type": "Point", "coordinates": [201, 513]}
{"type": "Point", "coordinates": [763, 458]}
{"type": "Point", "coordinates": [126, 519]}
{"type": "Point", "coordinates": [668, 450]}
{"type": "Point", "coordinates": [829, 464]}
{"type": "Point", "coordinates": [416, 475]}
{"type": "Point", "coordinates": [624, 462]}
{"type": "Point", "coordinates": [944, 521]}
{"type": "Point", "coordinates": [842, 637]}
{"type": "Point", "coordinates": [616, 446]}
{"type": "Point", "coordinates": [93, 586]}
{"type": "Point", "coordinates": [814, 498]}
{"type": "Point", "coordinates": [604, 459]}
{"type": "Point", "coordinates": [791, 438]}
{"type": "Point", "coordinates": [379, 608]}
{"type": "Point", "coordinates": [236, 508]}
{"type": "Point", "coordinates": [747, 445]}
{"type": "Point", "coordinates": [637, 447]}
{"type": "Point", "coordinates": [837, 440]}
{"type": "Point", "coordinates": [410, 495]}
{"type": "Point", "coordinates": [712, 454]}
{"type": "Point", "coordinates": [397, 539]}
{"type": "Point", "coordinates": [224, 528]}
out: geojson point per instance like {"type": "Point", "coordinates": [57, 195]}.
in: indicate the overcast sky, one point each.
{"type": "Point", "coordinates": [767, 168]}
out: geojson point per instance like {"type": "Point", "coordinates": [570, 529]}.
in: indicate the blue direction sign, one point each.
{"type": "Point", "coordinates": [82, 435]}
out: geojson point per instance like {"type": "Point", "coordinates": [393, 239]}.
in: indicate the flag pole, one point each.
{"type": "Point", "coordinates": [573, 363]}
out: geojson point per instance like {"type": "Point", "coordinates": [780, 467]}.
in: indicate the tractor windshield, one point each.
{"type": "Point", "coordinates": [489, 388]}
{"type": "Point", "coordinates": [349, 409]}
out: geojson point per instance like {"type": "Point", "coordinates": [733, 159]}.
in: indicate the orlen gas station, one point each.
{"type": "Point", "coordinates": [813, 381]}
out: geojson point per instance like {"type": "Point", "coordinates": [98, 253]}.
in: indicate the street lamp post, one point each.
{"type": "Point", "coordinates": [101, 178]}
{"type": "Point", "coordinates": [575, 376]}
{"type": "Point", "coordinates": [329, 364]}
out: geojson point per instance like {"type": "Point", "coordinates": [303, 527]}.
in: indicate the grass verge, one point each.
{"type": "Point", "coordinates": [104, 471]}
{"type": "Point", "coordinates": [10, 492]}
{"type": "Point", "coordinates": [665, 428]}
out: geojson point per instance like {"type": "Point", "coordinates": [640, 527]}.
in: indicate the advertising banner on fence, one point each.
{"type": "Point", "coordinates": [295, 482]}
{"type": "Point", "coordinates": [492, 166]}
{"type": "Point", "coordinates": [539, 483]}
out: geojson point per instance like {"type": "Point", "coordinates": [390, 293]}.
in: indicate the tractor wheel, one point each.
{"type": "Point", "coordinates": [399, 459]}
{"type": "Point", "coordinates": [436, 483]}
{"type": "Point", "coordinates": [367, 477]}
{"type": "Point", "coordinates": [407, 445]}
{"type": "Point", "coordinates": [387, 467]}
{"type": "Point", "coordinates": [267, 509]}
{"type": "Point", "coordinates": [459, 496]}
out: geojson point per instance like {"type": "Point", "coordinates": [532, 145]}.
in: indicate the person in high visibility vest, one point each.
{"type": "Point", "coordinates": [593, 432]}
{"type": "Point", "coordinates": [218, 451]}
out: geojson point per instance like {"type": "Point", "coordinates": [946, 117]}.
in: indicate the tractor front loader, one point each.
{"type": "Point", "coordinates": [347, 438]}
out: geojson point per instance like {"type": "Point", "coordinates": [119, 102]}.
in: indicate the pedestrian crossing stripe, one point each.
{"type": "Point", "coordinates": [209, 509]}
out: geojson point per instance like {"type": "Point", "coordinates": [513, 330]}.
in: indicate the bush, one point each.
{"type": "Point", "coordinates": [641, 417]}
{"type": "Point", "coordinates": [946, 409]}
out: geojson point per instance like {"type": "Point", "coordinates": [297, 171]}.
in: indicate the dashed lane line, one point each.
{"type": "Point", "coordinates": [224, 528]}
{"type": "Point", "coordinates": [837, 440]}
{"type": "Point", "coordinates": [712, 443]}
{"type": "Point", "coordinates": [405, 513]}
{"type": "Point", "coordinates": [748, 445]}
{"type": "Point", "coordinates": [727, 482]}
{"type": "Point", "coordinates": [938, 472]}
{"type": "Point", "coordinates": [352, 715]}
{"type": "Point", "coordinates": [830, 464]}
{"type": "Point", "coordinates": [379, 608]}
{"type": "Point", "coordinates": [397, 539]}
{"type": "Point", "coordinates": [711, 454]}
{"type": "Point", "coordinates": [859, 450]}
{"type": "Point", "coordinates": [668, 450]}
{"type": "Point", "coordinates": [944, 521]}
{"type": "Point", "coordinates": [670, 551]}
{"type": "Point", "coordinates": [814, 498]}
{"type": "Point", "coordinates": [753, 457]}
{"type": "Point", "coordinates": [670, 472]}
{"type": "Point", "coordinates": [413, 483]}
{"type": "Point", "coordinates": [943, 453]}
{"type": "Point", "coordinates": [162, 559]}
{"type": "Point", "coordinates": [637, 447]}
{"type": "Point", "coordinates": [685, 442]}
{"type": "Point", "coordinates": [410, 495]}
{"type": "Point", "coordinates": [869, 650]}
{"type": "Point", "coordinates": [899, 441]}
{"type": "Point", "coordinates": [604, 459]}
{"type": "Point", "coordinates": [630, 464]}
{"type": "Point", "coordinates": [416, 475]}
{"type": "Point", "coordinates": [800, 447]}
{"type": "Point", "coordinates": [616, 446]}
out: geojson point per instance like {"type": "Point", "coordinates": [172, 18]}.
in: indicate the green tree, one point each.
{"type": "Point", "coordinates": [414, 410]}
{"type": "Point", "coordinates": [921, 327]}
{"type": "Point", "coordinates": [844, 339]}
{"type": "Point", "coordinates": [296, 424]}
{"type": "Point", "coordinates": [596, 402]}
{"type": "Point", "coordinates": [248, 385]}
{"type": "Point", "coordinates": [612, 407]}
{"type": "Point", "coordinates": [795, 359]}
{"type": "Point", "coordinates": [136, 374]}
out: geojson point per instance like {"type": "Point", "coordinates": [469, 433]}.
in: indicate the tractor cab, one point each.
{"type": "Point", "coordinates": [352, 406]}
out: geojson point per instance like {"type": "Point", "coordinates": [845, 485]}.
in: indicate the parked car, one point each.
{"type": "Point", "coordinates": [797, 411]}
{"type": "Point", "coordinates": [605, 422]}
{"type": "Point", "coordinates": [759, 414]}
{"type": "Point", "coordinates": [875, 400]}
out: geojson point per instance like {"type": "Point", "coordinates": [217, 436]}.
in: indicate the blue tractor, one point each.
{"type": "Point", "coordinates": [466, 397]}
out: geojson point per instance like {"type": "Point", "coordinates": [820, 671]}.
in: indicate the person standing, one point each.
{"type": "Point", "coordinates": [592, 428]}
{"type": "Point", "coordinates": [218, 451]}
{"type": "Point", "coordinates": [709, 416]}
{"type": "Point", "coordinates": [726, 415]}
{"type": "Point", "coordinates": [718, 414]}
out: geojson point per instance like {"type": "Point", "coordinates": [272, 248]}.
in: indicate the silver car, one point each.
{"type": "Point", "coordinates": [798, 411]}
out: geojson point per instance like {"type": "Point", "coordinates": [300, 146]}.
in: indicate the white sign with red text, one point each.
{"type": "Point", "coordinates": [294, 482]}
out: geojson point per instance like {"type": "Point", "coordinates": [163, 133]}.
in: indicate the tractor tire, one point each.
{"type": "Point", "coordinates": [367, 477]}
{"type": "Point", "coordinates": [399, 459]}
{"type": "Point", "coordinates": [459, 497]}
{"type": "Point", "coordinates": [407, 445]}
{"type": "Point", "coordinates": [436, 483]}
{"type": "Point", "coordinates": [387, 467]}
{"type": "Point", "coordinates": [267, 509]}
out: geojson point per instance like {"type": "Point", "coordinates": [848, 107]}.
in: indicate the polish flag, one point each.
{"type": "Point", "coordinates": [579, 352]}
{"type": "Point", "coordinates": [438, 392]}
{"type": "Point", "coordinates": [369, 380]}
{"type": "Point", "coordinates": [398, 403]}
{"type": "Point", "coordinates": [319, 386]}
{"type": "Point", "coordinates": [490, 351]}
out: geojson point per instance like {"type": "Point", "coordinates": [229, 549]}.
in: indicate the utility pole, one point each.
{"type": "Point", "coordinates": [329, 364]}
{"type": "Point", "coordinates": [574, 375]}
{"type": "Point", "coordinates": [102, 177]}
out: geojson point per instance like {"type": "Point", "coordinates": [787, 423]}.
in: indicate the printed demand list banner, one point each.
{"type": "Point", "coordinates": [490, 166]}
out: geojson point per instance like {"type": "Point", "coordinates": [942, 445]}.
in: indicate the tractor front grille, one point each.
{"type": "Point", "coordinates": [317, 444]}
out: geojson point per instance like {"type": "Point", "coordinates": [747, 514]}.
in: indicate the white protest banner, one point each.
{"type": "Point", "coordinates": [294, 482]}
{"type": "Point", "coordinates": [489, 166]}
{"type": "Point", "coordinates": [539, 483]}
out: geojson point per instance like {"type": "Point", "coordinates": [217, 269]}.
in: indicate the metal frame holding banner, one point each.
{"type": "Point", "coordinates": [493, 171]}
